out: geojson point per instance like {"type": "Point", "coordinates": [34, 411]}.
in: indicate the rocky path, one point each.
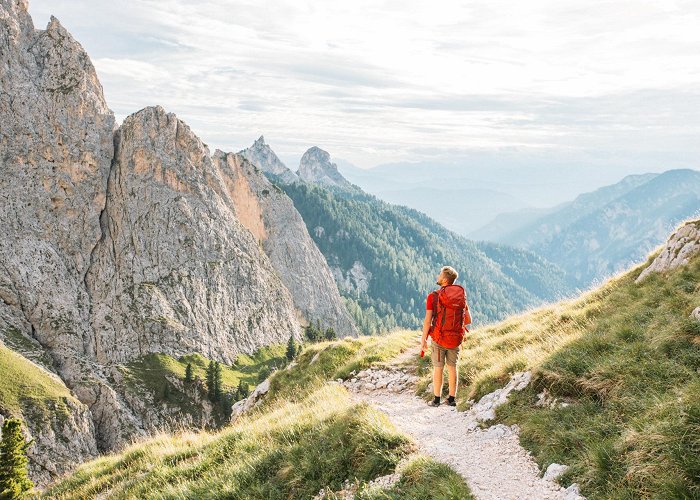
{"type": "Point", "coordinates": [491, 460]}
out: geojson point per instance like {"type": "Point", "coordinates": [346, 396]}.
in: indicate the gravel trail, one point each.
{"type": "Point", "coordinates": [491, 460]}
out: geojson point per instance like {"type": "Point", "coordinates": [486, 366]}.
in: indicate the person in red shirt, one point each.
{"type": "Point", "coordinates": [441, 355]}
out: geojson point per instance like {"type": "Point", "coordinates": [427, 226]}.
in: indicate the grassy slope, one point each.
{"type": "Point", "coordinates": [150, 371]}
{"type": "Point", "coordinates": [627, 359]}
{"type": "Point", "coordinates": [308, 435]}
{"type": "Point", "coordinates": [28, 391]}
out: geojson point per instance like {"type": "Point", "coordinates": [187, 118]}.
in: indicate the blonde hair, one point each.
{"type": "Point", "coordinates": [450, 273]}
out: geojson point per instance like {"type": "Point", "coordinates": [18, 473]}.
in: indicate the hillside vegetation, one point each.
{"type": "Point", "coordinates": [307, 435]}
{"type": "Point", "coordinates": [28, 391]}
{"type": "Point", "coordinates": [625, 362]}
{"type": "Point", "coordinates": [386, 258]}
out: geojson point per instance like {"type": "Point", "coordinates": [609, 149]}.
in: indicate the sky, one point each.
{"type": "Point", "coordinates": [613, 84]}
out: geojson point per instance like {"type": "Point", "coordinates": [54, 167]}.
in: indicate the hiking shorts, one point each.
{"type": "Point", "coordinates": [440, 355]}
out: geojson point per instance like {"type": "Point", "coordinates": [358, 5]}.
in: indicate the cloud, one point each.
{"type": "Point", "coordinates": [383, 80]}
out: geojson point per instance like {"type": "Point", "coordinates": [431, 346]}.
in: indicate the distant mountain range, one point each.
{"type": "Point", "coordinates": [464, 196]}
{"type": "Point", "coordinates": [605, 231]}
{"type": "Point", "coordinates": [385, 257]}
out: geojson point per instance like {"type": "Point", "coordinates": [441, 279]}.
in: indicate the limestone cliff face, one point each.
{"type": "Point", "coordinates": [316, 167]}
{"type": "Point", "coordinates": [287, 243]}
{"type": "Point", "coordinates": [55, 152]}
{"type": "Point", "coordinates": [176, 271]}
{"type": "Point", "coordinates": [262, 156]}
{"type": "Point", "coordinates": [115, 244]}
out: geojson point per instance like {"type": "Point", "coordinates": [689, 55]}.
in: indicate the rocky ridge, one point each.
{"type": "Point", "coordinates": [316, 167]}
{"type": "Point", "coordinates": [261, 155]}
{"type": "Point", "coordinates": [121, 242]}
{"type": "Point", "coordinates": [286, 241]}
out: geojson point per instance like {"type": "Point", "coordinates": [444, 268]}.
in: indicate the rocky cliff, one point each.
{"type": "Point", "coordinates": [262, 156]}
{"type": "Point", "coordinates": [286, 241]}
{"type": "Point", "coordinates": [681, 246]}
{"type": "Point", "coordinates": [119, 243]}
{"type": "Point", "coordinates": [316, 167]}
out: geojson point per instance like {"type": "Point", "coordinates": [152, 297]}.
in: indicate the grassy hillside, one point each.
{"type": "Point", "coordinates": [401, 251]}
{"type": "Point", "coordinates": [160, 378]}
{"type": "Point", "coordinates": [28, 391]}
{"type": "Point", "coordinates": [307, 436]}
{"type": "Point", "coordinates": [625, 361]}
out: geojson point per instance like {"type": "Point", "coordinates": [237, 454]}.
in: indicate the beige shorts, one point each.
{"type": "Point", "coordinates": [441, 354]}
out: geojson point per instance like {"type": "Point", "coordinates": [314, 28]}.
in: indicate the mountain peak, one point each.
{"type": "Point", "coordinates": [316, 167]}
{"type": "Point", "coordinates": [262, 156]}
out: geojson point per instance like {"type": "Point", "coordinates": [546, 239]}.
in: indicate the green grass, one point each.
{"type": "Point", "coordinates": [423, 479]}
{"type": "Point", "coordinates": [307, 436]}
{"type": "Point", "coordinates": [150, 370]}
{"type": "Point", "coordinates": [28, 391]}
{"type": "Point", "coordinates": [626, 359]}
{"type": "Point", "coordinates": [337, 359]}
{"type": "Point", "coordinates": [291, 451]}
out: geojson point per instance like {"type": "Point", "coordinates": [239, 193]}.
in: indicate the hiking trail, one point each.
{"type": "Point", "coordinates": [492, 461]}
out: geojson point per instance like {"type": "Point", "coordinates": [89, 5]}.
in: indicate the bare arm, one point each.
{"type": "Point", "coordinates": [426, 328]}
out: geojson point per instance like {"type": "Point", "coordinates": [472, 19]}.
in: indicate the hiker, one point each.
{"type": "Point", "coordinates": [446, 319]}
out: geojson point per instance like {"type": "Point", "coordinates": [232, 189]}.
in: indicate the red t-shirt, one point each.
{"type": "Point", "coordinates": [429, 302]}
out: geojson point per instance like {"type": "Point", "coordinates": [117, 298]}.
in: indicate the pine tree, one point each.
{"type": "Point", "coordinates": [330, 334]}
{"type": "Point", "coordinates": [291, 348]}
{"type": "Point", "coordinates": [189, 374]}
{"type": "Point", "coordinates": [166, 391]}
{"type": "Point", "coordinates": [211, 375]}
{"type": "Point", "coordinates": [218, 381]}
{"type": "Point", "coordinates": [242, 390]}
{"type": "Point", "coordinates": [14, 479]}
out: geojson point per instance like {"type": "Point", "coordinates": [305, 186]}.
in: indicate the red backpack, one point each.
{"type": "Point", "coordinates": [450, 316]}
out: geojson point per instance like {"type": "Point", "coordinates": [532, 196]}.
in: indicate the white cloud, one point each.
{"type": "Point", "coordinates": [378, 81]}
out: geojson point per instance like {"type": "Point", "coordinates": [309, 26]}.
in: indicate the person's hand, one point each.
{"type": "Point", "coordinates": [424, 345]}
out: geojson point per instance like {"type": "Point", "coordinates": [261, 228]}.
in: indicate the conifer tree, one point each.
{"type": "Point", "coordinates": [14, 478]}
{"type": "Point", "coordinates": [210, 380]}
{"type": "Point", "coordinates": [330, 334]}
{"type": "Point", "coordinates": [218, 381]}
{"type": "Point", "coordinates": [291, 348]}
{"type": "Point", "coordinates": [189, 374]}
{"type": "Point", "coordinates": [242, 390]}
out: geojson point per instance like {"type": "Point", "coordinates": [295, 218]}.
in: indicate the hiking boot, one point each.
{"type": "Point", "coordinates": [451, 402]}
{"type": "Point", "coordinates": [434, 403]}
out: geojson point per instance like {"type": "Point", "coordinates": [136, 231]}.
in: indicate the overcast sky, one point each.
{"type": "Point", "coordinates": [382, 81]}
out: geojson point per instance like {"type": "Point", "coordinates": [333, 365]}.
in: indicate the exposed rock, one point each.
{"type": "Point", "coordinates": [60, 427]}
{"type": "Point", "coordinates": [356, 279]}
{"type": "Point", "coordinates": [175, 257]}
{"type": "Point", "coordinates": [573, 493]}
{"type": "Point", "coordinates": [316, 167]}
{"type": "Point", "coordinates": [246, 404]}
{"type": "Point", "coordinates": [696, 313]}
{"type": "Point", "coordinates": [119, 244]}
{"type": "Point", "coordinates": [554, 471]}
{"type": "Point", "coordinates": [263, 157]}
{"type": "Point", "coordinates": [680, 247]}
{"type": "Point", "coordinates": [384, 380]}
{"type": "Point", "coordinates": [273, 219]}
{"type": "Point", "coordinates": [485, 409]}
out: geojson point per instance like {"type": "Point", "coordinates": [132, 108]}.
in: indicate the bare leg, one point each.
{"type": "Point", "coordinates": [452, 379]}
{"type": "Point", "coordinates": [437, 381]}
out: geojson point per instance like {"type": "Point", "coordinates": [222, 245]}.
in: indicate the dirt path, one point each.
{"type": "Point", "coordinates": [491, 461]}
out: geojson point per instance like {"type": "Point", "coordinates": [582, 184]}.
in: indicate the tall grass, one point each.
{"type": "Point", "coordinates": [308, 435]}
{"type": "Point", "coordinates": [625, 358]}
